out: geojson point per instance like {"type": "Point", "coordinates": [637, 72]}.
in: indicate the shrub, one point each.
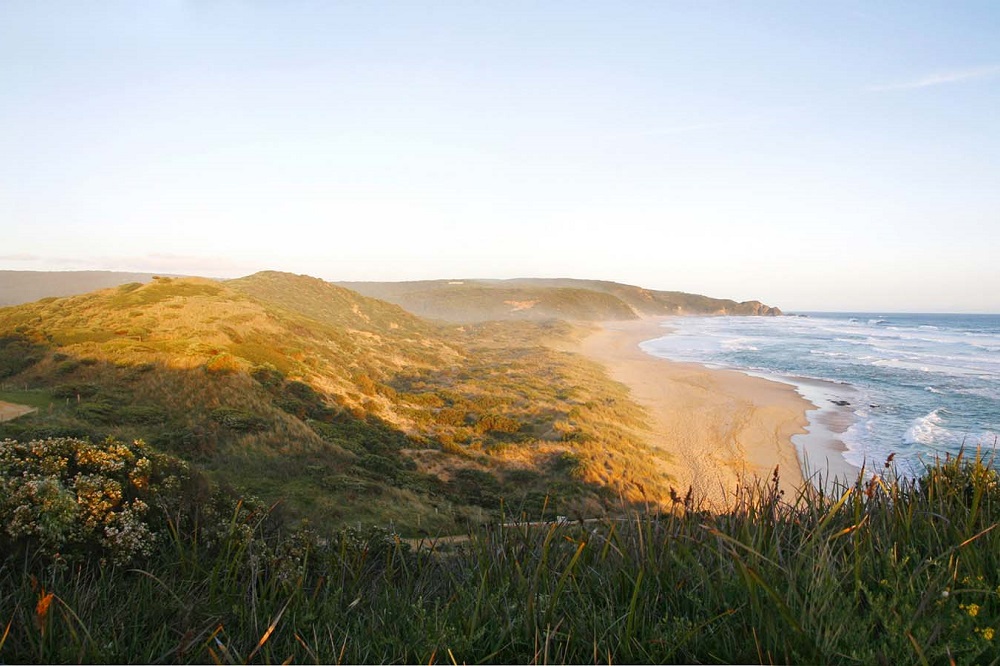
{"type": "Point", "coordinates": [475, 487]}
{"type": "Point", "coordinates": [186, 442]}
{"type": "Point", "coordinates": [67, 391]}
{"type": "Point", "coordinates": [267, 376]}
{"type": "Point", "coordinates": [497, 423]}
{"type": "Point", "coordinates": [98, 412]}
{"type": "Point", "coordinates": [238, 420]}
{"type": "Point", "coordinates": [18, 353]}
{"type": "Point", "coordinates": [67, 367]}
{"type": "Point", "coordinates": [68, 499]}
{"type": "Point", "coordinates": [452, 416]}
{"type": "Point", "coordinates": [143, 414]}
{"type": "Point", "coordinates": [222, 363]}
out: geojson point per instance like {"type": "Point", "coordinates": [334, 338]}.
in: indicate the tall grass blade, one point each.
{"type": "Point", "coordinates": [270, 630]}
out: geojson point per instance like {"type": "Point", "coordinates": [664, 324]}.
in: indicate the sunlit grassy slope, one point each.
{"type": "Point", "coordinates": [343, 407]}
{"type": "Point", "coordinates": [540, 299]}
{"type": "Point", "coordinates": [18, 287]}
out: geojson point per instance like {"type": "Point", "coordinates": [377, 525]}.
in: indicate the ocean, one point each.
{"type": "Point", "coordinates": [919, 386]}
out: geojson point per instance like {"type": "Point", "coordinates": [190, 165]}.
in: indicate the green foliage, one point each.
{"type": "Point", "coordinates": [101, 413]}
{"type": "Point", "coordinates": [238, 420]}
{"type": "Point", "coordinates": [67, 367]}
{"type": "Point", "coordinates": [268, 377]}
{"type": "Point", "coordinates": [68, 499]}
{"type": "Point", "coordinates": [72, 391]}
{"type": "Point", "coordinates": [497, 423]}
{"type": "Point", "coordinates": [884, 571]}
{"type": "Point", "coordinates": [188, 442]}
{"type": "Point", "coordinates": [475, 487]}
{"type": "Point", "coordinates": [18, 353]}
{"type": "Point", "coordinates": [143, 414]}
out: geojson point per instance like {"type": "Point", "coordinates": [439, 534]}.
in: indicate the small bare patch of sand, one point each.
{"type": "Point", "coordinates": [9, 410]}
{"type": "Point", "coordinates": [719, 427]}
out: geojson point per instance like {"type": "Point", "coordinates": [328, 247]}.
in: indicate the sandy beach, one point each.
{"type": "Point", "coordinates": [9, 410]}
{"type": "Point", "coordinates": [719, 426]}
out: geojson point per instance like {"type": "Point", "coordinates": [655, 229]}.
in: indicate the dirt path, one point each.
{"type": "Point", "coordinates": [9, 410]}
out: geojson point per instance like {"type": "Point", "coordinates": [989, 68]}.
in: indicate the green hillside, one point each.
{"type": "Point", "coordinates": [542, 299]}
{"type": "Point", "coordinates": [341, 407]}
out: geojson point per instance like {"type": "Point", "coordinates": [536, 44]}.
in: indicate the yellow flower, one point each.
{"type": "Point", "coordinates": [972, 609]}
{"type": "Point", "coordinates": [987, 633]}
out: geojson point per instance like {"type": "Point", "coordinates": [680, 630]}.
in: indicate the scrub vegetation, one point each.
{"type": "Point", "coordinates": [280, 469]}
{"type": "Point", "coordinates": [341, 408]}
{"type": "Point", "coordinates": [884, 571]}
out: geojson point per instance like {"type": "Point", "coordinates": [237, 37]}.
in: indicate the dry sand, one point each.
{"type": "Point", "coordinates": [719, 426]}
{"type": "Point", "coordinates": [9, 410]}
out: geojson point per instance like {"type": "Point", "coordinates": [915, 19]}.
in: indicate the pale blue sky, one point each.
{"type": "Point", "coordinates": [834, 156]}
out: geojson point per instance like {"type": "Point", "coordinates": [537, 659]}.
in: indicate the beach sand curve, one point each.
{"type": "Point", "coordinates": [719, 427]}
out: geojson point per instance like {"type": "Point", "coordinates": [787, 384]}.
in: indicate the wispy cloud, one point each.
{"type": "Point", "coordinates": [941, 78]}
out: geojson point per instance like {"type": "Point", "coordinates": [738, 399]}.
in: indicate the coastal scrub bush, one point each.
{"type": "Point", "coordinates": [238, 419]}
{"type": "Point", "coordinates": [67, 391]}
{"type": "Point", "coordinates": [267, 376]}
{"type": "Point", "coordinates": [475, 487]}
{"type": "Point", "coordinates": [18, 353]}
{"type": "Point", "coordinates": [67, 499]}
{"type": "Point", "coordinates": [885, 570]}
{"type": "Point", "coordinates": [497, 423]}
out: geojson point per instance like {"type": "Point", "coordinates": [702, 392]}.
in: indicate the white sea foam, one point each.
{"type": "Point", "coordinates": [739, 344]}
{"type": "Point", "coordinates": [927, 430]}
{"type": "Point", "coordinates": [828, 354]}
{"type": "Point", "coordinates": [903, 369]}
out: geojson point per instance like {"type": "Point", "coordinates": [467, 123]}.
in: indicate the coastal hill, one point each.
{"type": "Point", "coordinates": [541, 299]}
{"type": "Point", "coordinates": [341, 407]}
{"type": "Point", "coordinates": [18, 287]}
{"type": "Point", "coordinates": [450, 300]}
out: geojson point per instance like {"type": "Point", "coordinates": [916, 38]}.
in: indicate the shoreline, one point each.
{"type": "Point", "coordinates": [719, 426]}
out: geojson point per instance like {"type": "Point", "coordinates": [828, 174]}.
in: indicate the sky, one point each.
{"type": "Point", "coordinates": [815, 156]}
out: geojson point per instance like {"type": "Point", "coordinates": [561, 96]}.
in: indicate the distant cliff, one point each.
{"type": "Point", "coordinates": [534, 299]}
{"type": "Point", "coordinates": [542, 298]}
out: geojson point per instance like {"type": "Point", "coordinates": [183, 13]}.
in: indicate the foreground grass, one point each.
{"type": "Point", "coordinates": [886, 570]}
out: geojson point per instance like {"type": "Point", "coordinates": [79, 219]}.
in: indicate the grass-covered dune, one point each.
{"type": "Point", "coordinates": [343, 407]}
{"type": "Point", "coordinates": [541, 299]}
{"type": "Point", "coordinates": [18, 287]}
{"type": "Point", "coordinates": [113, 553]}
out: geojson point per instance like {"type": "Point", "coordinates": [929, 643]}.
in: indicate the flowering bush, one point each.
{"type": "Point", "coordinates": [69, 499]}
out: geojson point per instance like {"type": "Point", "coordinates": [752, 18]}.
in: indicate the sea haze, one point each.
{"type": "Point", "coordinates": [917, 385]}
